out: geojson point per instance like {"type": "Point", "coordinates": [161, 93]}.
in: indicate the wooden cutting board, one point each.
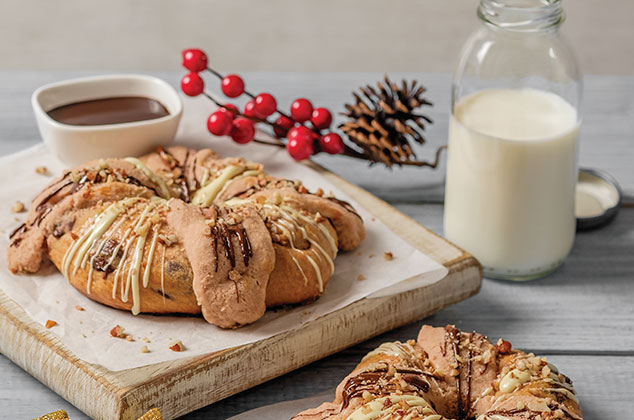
{"type": "Point", "coordinates": [182, 386]}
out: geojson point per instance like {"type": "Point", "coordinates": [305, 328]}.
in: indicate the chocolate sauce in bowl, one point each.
{"type": "Point", "coordinates": [109, 111]}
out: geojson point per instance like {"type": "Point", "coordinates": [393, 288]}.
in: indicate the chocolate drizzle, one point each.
{"type": "Point", "coordinates": [102, 262]}
{"type": "Point", "coordinates": [345, 205]}
{"type": "Point", "coordinates": [378, 382]}
{"type": "Point", "coordinates": [222, 231]}
{"type": "Point", "coordinates": [54, 192]}
{"type": "Point", "coordinates": [19, 229]}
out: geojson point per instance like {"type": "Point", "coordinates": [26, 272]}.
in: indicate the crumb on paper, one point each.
{"type": "Point", "coordinates": [360, 277]}
{"type": "Point", "coordinates": [117, 332]}
{"type": "Point", "coordinates": [359, 253]}
{"type": "Point", "coordinates": [18, 207]}
{"type": "Point", "coordinates": [50, 323]}
{"type": "Point", "coordinates": [373, 219]}
{"type": "Point", "coordinates": [145, 339]}
{"type": "Point", "coordinates": [371, 255]}
{"type": "Point", "coordinates": [129, 337]}
{"type": "Point", "coordinates": [42, 170]}
{"type": "Point", "coordinates": [79, 308]}
{"type": "Point", "coordinates": [177, 346]}
{"type": "Point", "coordinates": [389, 256]}
{"type": "Point", "coordinates": [144, 349]}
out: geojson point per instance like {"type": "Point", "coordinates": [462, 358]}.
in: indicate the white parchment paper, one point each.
{"type": "Point", "coordinates": [285, 409]}
{"type": "Point", "coordinates": [47, 295]}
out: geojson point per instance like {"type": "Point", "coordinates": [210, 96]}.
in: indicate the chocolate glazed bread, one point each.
{"type": "Point", "coordinates": [450, 374]}
{"type": "Point", "coordinates": [185, 231]}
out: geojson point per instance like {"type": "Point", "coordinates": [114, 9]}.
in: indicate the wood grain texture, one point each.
{"type": "Point", "coordinates": [180, 387]}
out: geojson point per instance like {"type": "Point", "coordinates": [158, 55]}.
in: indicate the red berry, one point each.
{"type": "Point", "coordinates": [300, 148]}
{"type": "Point", "coordinates": [194, 60]}
{"type": "Point", "coordinates": [265, 104]}
{"type": "Point", "coordinates": [321, 118]}
{"type": "Point", "coordinates": [300, 133]}
{"type": "Point", "coordinates": [282, 125]}
{"type": "Point", "coordinates": [232, 85]}
{"type": "Point", "coordinates": [243, 130]}
{"type": "Point", "coordinates": [230, 110]}
{"type": "Point", "coordinates": [219, 123]}
{"type": "Point", "coordinates": [192, 84]}
{"type": "Point", "coordinates": [301, 110]}
{"type": "Point", "coordinates": [251, 111]}
{"type": "Point", "coordinates": [332, 143]}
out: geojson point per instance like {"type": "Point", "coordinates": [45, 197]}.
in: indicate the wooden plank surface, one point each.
{"type": "Point", "coordinates": [583, 313]}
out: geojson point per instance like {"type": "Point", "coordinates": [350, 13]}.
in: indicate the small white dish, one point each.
{"type": "Point", "coordinates": [75, 144]}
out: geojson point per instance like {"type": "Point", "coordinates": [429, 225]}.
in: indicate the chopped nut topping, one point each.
{"type": "Point", "coordinates": [454, 372]}
{"type": "Point", "coordinates": [129, 337]}
{"type": "Point", "coordinates": [545, 372]}
{"type": "Point", "coordinates": [391, 370]}
{"type": "Point", "coordinates": [388, 256]}
{"type": "Point", "coordinates": [144, 349]}
{"type": "Point", "coordinates": [319, 218]}
{"type": "Point", "coordinates": [503, 346]}
{"type": "Point", "coordinates": [177, 346]}
{"type": "Point", "coordinates": [145, 339]}
{"type": "Point", "coordinates": [79, 308]}
{"type": "Point", "coordinates": [50, 323]}
{"type": "Point", "coordinates": [319, 192]}
{"type": "Point", "coordinates": [367, 396]}
{"type": "Point", "coordinates": [18, 207]}
{"type": "Point", "coordinates": [117, 332]}
{"type": "Point", "coordinates": [41, 170]}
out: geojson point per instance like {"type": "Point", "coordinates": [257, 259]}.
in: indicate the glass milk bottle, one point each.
{"type": "Point", "coordinates": [512, 165]}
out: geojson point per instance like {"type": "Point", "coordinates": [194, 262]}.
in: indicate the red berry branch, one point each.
{"type": "Point", "coordinates": [306, 129]}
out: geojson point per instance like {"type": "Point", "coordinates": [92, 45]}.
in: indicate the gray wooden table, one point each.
{"type": "Point", "coordinates": [581, 317]}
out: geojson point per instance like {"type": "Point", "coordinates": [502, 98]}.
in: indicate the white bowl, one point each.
{"type": "Point", "coordinates": [73, 144]}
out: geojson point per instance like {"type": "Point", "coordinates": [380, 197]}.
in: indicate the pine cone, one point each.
{"type": "Point", "coordinates": [384, 123]}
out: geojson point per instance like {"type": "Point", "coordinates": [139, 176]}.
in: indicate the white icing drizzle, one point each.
{"type": "Point", "coordinates": [163, 273]}
{"type": "Point", "coordinates": [513, 380]}
{"type": "Point", "coordinates": [251, 170]}
{"type": "Point", "coordinates": [301, 270]}
{"type": "Point", "coordinates": [76, 252]}
{"type": "Point", "coordinates": [394, 348]}
{"type": "Point", "coordinates": [136, 235]}
{"type": "Point", "coordinates": [206, 195]}
{"type": "Point", "coordinates": [150, 256]}
{"type": "Point", "coordinates": [114, 229]}
{"type": "Point", "coordinates": [379, 409]}
{"type": "Point", "coordinates": [135, 268]}
{"type": "Point", "coordinates": [287, 223]}
{"type": "Point", "coordinates": [164, 191]}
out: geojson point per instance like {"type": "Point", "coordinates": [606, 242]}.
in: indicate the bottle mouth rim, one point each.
{"type": "Point", "coordinates": [544, 15]}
